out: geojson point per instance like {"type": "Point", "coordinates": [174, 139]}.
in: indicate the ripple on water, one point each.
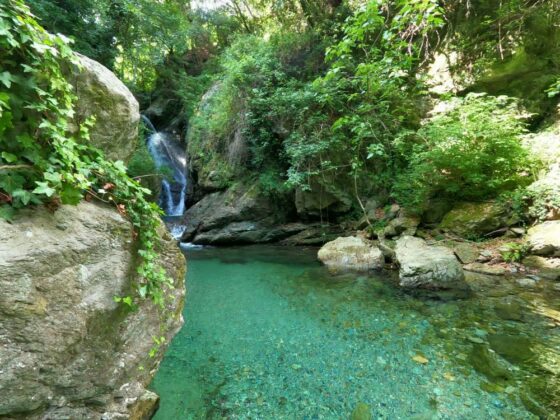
{"type": "Point", "coordinates": [270, 334]}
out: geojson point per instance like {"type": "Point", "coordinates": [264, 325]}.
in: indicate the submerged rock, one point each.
{"type": "Point", "coordinates": [430, 267]}
{"type": "Point", "coordinates": [361, 412]}
{"type": "Point", "coordinates": [544, 239]}
{"type": "Point", "coordinates": [66, 348]}
{"type": "Point", "coordinates": [351, 253]}
{"type": "Point", "coordinates": [102, 95]}
{"type": "Point", "coordinates": [488, 363]}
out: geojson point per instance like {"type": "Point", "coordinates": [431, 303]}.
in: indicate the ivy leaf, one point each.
{"type": "Point", "coordinates": [6, 79]}
{"type": "Point", "coordinates": [43, 188]}
{"type": "Point", "coordinates": [9, 157]}
{"type": "Point", "coordinates": [7, 212]}
{"type": "Point", "coordinates": [23, 196]}
{"type": "Point", "coordinates": [70, 195]}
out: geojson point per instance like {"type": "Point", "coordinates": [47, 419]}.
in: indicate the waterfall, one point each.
{"type": "Point", "coordinates": [170, 158]}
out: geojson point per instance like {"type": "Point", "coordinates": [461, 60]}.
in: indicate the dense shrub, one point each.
{"type": "Point", "coordinates": [471, 152]}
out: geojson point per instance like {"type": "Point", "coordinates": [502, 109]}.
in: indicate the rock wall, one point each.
{"type": "Point", "coordinates": [67, 350]}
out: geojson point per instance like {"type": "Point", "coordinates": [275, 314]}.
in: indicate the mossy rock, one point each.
{"type": "Point", "coordinates": [487, 363]}
{"type": "Point", "coordinates": [473, 220]}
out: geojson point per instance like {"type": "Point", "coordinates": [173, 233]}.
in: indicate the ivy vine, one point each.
{"type": "Point", "coordinates": [44, 158]}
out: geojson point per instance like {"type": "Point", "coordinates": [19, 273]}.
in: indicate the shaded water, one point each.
{"type": "Point", "coordinates": [269, 334]}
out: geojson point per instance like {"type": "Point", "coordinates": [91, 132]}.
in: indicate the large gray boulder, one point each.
{"type": "Point", "coordinates": [102, 95]}
{"type": "Point", "coordinates": [238, 215]}
{"type": "Point", "coordinates": [428, 267]}
{"type": "Point", "coordinates": [67, 350]}
{"type": "Point", "coordinates": [351, 253]}
{"type": "Point", "coordinates": [544, 239]}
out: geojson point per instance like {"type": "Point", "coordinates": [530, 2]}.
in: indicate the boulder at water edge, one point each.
{"type": "Point", "coordinates": [67, 350]}
{"type": "Point", "coordinates": [351, 253]}
{"type": "Point", "coordinates": [544, 239]}
{"type": "Point", "coordinates": [428, 267]}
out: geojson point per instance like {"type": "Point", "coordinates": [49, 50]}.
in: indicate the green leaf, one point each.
{"type": "Point", "coordinates": [44, 189]}
{"type": "Point", "coordinates": [7, 212]}
{"type": "Point", "coordinates": [70, 195]}
{"type": "Point", "coordinates": [9, 157]}
{"type": "Point", "coordinates": [6, 79]}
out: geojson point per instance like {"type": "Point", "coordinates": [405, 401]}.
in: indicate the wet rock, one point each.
{"type": "Point", "coordinates": [509, 309]}
{"type": "Point", "coordinates": [403, 224]}
{"type": "Point", "coordinates": [544, 239]}
{"type": "Point", "coordinates": [322, 199]}
{"type": "Point", "coordinates": [515, 349]}
{"type": "Point", "coordinates": [387, 247]}
{"type": "Point", "coordinates": [351, 253]}
{"type": "Point", "coordinates": [66, 347]}
{"type": "Point", "coordinates": [145, 406]}
{"type": "Point", "coordinates": [527, 282]}
{"type": "Point", "coordinates": [424, 266]}
{"type": "Point", "coordinates": [487, 362]}
{"type": "Point", "coordinates": [314, 234]}
{"type": "Point", "coordinates": [102, 95]}
{"type": "Point", "coordinates": [548, 268]}
{"type": "Point", "coordinates": [481, 268]}
{"type": "Point", "coordinates": [238, 215]}
{"type": "Point", "coordinates": [361, 412]}
{"type": "Point", "coordinates": [467, 253]}
{"type": "Point", "coordinates": [476, 219]}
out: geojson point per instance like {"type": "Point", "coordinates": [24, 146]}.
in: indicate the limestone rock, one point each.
{"type": "Point", "coordinates": [102, 95]}
{"type": "Point", "coordinates": [403, 224]}
{"type": "Point", "coordinates": [351, 253]}
{"type": "Point", "coordinates": [476, 219]}
{"type": "Point", "coordinates": [321, 200]}
{"type": "Point", "coordinates": [544, 239]}
{"type": "Point", "coordinates": [430, 267]}
{"type": "Point", "coordinates": [466, 252]}
{"type": "Point", "coordinates": [481, 268]}
{"type": "Point", "coordinates": [238, 215]}
{"type": "Point", "coordinates": [66, 347]}
{"type": "Point", "coordinates": [548, 268]}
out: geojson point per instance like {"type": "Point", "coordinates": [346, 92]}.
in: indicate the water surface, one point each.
{"type": "Point", "coordinates": [270, 334]}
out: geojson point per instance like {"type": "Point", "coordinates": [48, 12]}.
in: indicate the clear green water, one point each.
{"type": "Point", "coordinates": [269, 334]}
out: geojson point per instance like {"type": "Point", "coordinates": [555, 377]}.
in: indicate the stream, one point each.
{"type": "Point", "coordinates": [270, 334]}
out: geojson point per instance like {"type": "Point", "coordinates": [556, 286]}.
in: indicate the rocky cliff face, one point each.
{"type": "Point", "coordinates": [67, 350]}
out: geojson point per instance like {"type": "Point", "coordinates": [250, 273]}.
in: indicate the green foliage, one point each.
{"type": "Point", "coordinates": [513, 252]}
{"type": "Point", "coordinates": [42, 161]}
{"type": "Point", "coordinates": [471, 152]}
{"type": "Point", "coordinates": [554, 89]}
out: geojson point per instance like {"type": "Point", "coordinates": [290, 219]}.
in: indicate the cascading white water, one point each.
{"type": "Point", "coordinates": [170, 158]}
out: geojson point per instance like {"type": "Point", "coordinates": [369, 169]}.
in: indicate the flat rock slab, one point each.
{"type": "Point", "coordinates": [351, 253]}
{"type": "Point", "coordinates": [429, 267]}
{"type": "Point", "coordinates": [481, 268]}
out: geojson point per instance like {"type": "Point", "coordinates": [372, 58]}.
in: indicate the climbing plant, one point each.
{"type": "Point", "coordinates": [44, 157]}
